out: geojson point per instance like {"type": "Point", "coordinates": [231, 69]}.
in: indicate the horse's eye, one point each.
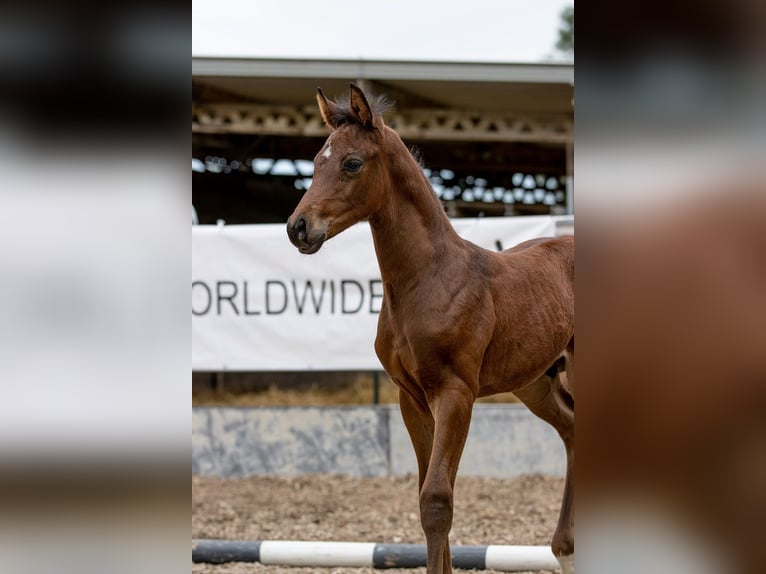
{"type": "Point", "coordinates": [352, 165]}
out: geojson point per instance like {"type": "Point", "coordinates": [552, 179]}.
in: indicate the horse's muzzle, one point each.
{"type": "Point", "coordinates": [306, 237]}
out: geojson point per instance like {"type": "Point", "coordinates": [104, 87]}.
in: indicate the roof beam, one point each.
{"type": "Point", "coordinates": [423, 124]}
{"type": "Point", "coordinates": [383, 70]}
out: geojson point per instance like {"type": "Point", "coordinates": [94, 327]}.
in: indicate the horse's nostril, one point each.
{"type": "Point", "coordinates": [300, 228]}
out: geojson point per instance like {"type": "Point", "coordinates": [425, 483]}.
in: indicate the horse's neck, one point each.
{"type": "Point", "coordinates": [411, 231]}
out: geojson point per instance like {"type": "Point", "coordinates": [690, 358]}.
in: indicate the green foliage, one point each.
{"type": "Point", "coordinates": [566, 30]}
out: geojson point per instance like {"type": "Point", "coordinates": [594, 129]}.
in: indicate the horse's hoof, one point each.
{"type": "Point", "coordinates": [566, 563]}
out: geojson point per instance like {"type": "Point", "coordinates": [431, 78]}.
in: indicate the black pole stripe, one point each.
{"type": "Point", "coordinates": [414, 555]}
{"type": "Point", "coordinates": [384, 555]}
{"type": "Point", "coordinates": [399, 556]}
{"type": "Point", "coordinates": [469, 557]}
{"type": "Point", "coordinates": [221, 551]}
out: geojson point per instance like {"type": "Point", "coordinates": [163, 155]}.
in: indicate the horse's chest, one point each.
{"type": "Point", "coordinates": [393, 344]}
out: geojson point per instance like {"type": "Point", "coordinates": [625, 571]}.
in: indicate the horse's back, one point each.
{"type": "Point", "coordinates": [526, 244]}
{"type": "Point", "coordinates": [545, 250]}
{"type": "Point", "coordinates": [563, 242]}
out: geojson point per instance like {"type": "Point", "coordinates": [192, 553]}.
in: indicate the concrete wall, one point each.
{"type": "Point", "coordinates": [504, 440]}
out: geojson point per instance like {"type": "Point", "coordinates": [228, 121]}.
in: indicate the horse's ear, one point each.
{"type": "Point", "coordinates": [327, 108]}
{"type": "Point", "coordinates": [360, 106]}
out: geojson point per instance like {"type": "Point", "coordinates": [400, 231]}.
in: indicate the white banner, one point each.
{"type": "Point", "coordinates": [260, 305]}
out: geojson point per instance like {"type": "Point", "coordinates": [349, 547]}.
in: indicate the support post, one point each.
{"type": "Point", "coordinates": [570, 177]}
{"type": "Point", "coordinates": [376, 387]}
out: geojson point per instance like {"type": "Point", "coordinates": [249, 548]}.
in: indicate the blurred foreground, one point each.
{"type": "Point", "coordinates": [671, 288]}
{"type": "Point", "coordinates": [94, 322]}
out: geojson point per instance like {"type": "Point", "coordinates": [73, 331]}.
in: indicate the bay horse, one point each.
{"type": "Point", "coordinates": [457, 322]}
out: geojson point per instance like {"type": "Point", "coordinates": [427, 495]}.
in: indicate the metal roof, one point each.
{"type": "Point", "coordinates": [476, 86]}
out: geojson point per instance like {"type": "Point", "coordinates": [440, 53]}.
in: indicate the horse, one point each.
{"type": "Point", "coordinates": [457, 321]}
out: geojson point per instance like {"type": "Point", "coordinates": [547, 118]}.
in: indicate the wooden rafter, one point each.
{"type": "Point", "coordinates": [424, 124]}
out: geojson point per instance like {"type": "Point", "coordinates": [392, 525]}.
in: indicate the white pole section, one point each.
{"type": "Point", "coordinates": [302, 553]}
{"type": "Point", "coordinates": [520, 558]}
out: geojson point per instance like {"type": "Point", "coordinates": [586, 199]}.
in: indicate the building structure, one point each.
{"type": "Point", "coordinates": [495, 139]}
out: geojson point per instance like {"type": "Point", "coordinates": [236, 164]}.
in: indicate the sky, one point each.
{"type": "Point", "coordinates": [472, 30]}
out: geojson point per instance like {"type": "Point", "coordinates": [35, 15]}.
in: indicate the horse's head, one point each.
{"type": "Point", "coordinates": [349, 177]}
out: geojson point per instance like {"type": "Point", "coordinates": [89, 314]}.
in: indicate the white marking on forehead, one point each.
{"type": "Point", "coordinates": [327, 151]}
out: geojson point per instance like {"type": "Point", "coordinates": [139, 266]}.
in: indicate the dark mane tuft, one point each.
{"type": "Point", "coordinates": [341, 114]}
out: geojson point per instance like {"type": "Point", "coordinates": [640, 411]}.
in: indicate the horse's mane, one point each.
{"type": "Point", "coordinates": [341, 114]}
{"type": "Point", "coordinates": [417, 155]}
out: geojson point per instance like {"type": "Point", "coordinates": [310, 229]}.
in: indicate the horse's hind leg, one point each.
{"type": "Point", "coordinates": [549, 399]}
{"type": "Point", "coordinates": [569, 367]}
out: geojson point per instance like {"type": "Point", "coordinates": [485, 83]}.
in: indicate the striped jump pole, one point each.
{"type": "Point", "coordinates": [370, 554]}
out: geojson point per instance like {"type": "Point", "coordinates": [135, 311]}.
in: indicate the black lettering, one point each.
{"type": "Point", "coordinates": [359, 287]}
{"type": "Point", "coordinates": [269, 310]}
{"type": "Point", "coordinates": [229, 298]}
{"type": "Point", "coordinates": [375, 295]}
{"type": "Point", "coordinates": [209, 298]}
{"type": "Point", "coordinates": [244, 293]}
{"type": "Point", "coordinates": [308, 288]}
{"type": "Point", "coordinates": [332, 297]}
{"type": "Point", "coordinates": [498, 245]}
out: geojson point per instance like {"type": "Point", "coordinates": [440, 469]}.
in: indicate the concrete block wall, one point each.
{"type": "Point", "coordinates": [505, 440]}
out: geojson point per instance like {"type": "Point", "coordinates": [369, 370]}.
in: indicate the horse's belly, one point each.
{"type": "Point", "coordinates": [511, 365]}
{"type": "Point", "coordinates": [506, 380]}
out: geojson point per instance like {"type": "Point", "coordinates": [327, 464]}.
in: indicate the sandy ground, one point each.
{"type": "Point", "coordinates": [324, 507]}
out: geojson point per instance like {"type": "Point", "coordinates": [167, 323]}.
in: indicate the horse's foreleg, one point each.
{"type": "Point", "coordinates": [420, 426]}
{"type": "Point", "coordinates": [551, 401]}
{"type": "Point", "coordinates": [451, 407]}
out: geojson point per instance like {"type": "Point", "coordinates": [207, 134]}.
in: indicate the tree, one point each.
{"type": "Point", "coordinates": [566, 31]}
